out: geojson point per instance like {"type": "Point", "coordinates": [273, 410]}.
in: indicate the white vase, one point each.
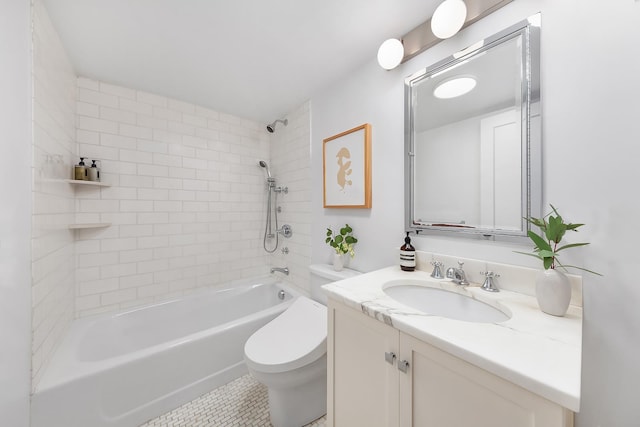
{"type": "Point", "coordinates": [553, 292]}
{"type": "Point", "coordinates": [338, 262]}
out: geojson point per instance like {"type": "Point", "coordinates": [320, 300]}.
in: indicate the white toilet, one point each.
{"type": "Point", "coordinates": [289, 355]}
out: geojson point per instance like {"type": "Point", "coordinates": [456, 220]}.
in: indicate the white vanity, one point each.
{"type": "Point", "coordinates": [393, 365]}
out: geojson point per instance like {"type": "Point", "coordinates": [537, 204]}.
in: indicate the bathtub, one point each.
{"type": "Point", "coordinates": [120, 370]}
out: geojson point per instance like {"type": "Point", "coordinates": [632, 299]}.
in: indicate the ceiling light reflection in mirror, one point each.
{"type": "Point", "coordinates": [454, 87]}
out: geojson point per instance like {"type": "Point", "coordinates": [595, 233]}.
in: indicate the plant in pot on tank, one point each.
{"type": "Point", "coordinates": [342, 243]}
{"type": "Point", "coordinates": [553, 290]}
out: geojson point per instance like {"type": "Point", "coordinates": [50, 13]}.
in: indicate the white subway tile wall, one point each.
{"type": "Point", "coordinates": [54, 153]}
{"type": "Point", "coordinates": [291, 166]}
{"type": "Point", "coordinates": [185, 201]}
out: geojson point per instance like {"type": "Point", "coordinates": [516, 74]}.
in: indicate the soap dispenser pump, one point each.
{"type": "Point", "coordinates": [93, 173]}
{"type": "Point", "coordinates": [80, 171]}
{"type": "Point", "coordinates": [407, 255]}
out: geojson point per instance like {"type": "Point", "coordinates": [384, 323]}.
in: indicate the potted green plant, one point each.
{"type": "Point", "coordinates": [342, 244]}
{"type": "Point", "coordinates": [553, 290]}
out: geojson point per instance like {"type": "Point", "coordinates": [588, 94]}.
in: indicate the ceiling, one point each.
{"type": "Point", "coordinates": [257, 59]}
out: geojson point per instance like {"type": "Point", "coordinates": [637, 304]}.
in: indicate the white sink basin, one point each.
{"type": "Point", "coordinates": [439, 302]}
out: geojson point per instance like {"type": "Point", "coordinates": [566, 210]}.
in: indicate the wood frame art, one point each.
{"type": "Point", "coordinates": [346, 169]}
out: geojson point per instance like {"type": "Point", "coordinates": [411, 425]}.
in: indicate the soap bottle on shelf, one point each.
{"type": "Point", "coordinates": [407, 255]}
{"type": "Point", "coordinates": [93, 173]}
{"type": "Point", "coordinates": [80, 171]}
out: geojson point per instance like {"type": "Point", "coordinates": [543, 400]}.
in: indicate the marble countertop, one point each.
{"type": "Point", "coordinates": [538, 352]}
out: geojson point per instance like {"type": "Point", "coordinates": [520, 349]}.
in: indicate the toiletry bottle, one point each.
{"type": "Point", "coordinates": [93, 173]}
{"type": "Point", "coordinates": [407, 255]}
{"type": "Point", "coordinates": [80, 171]}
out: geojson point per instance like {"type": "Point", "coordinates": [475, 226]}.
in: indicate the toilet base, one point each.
{"type": "Point", "coordinates": [298, 406]}
{"type": "Point", "coordinates": [296, 397]}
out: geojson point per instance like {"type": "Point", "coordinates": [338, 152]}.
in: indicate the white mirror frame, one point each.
{"type": "Point", "coordinates": [531, 134]}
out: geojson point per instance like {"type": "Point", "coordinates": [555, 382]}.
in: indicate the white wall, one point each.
{"type": "Point", "coordinates": [590, 140]}
{"type": "Point", "coordinates": [15, 210]}
{"type": "Point", "coordinates": [54, 151]}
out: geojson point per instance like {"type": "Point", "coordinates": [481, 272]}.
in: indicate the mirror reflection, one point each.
{"type": "Point", "coordinates": [472, 137]}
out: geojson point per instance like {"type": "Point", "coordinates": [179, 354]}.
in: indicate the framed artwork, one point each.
{"type": "Point", "coordinates": [346, 169]}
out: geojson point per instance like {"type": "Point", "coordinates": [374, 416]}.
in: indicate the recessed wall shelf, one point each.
{"type": "Point", "coordinates": [90, 183]}
{"type": "Point", "coordinates": [89, 225]}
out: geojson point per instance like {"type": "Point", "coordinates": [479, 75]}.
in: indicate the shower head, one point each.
{"type": "Point", "coordinates": [263, 164]}
{"type": "Point", "coordinates": [272, 126]}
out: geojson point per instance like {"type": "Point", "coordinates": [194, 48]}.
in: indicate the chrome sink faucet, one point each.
{"type": "Point", "coordinates": [457, 275]}
{"type": "Point", "coordinates": [488, 284]}
{"type": "Point", "coordinates": [284, 270]}
{"type": "Point", "coordinates": [437, 272]}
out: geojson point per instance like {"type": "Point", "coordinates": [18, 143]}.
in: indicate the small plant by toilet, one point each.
{"type": "Point", "coordinates": [342, 243]}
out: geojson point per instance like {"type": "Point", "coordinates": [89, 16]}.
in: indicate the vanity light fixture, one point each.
{"type": "Point", "coordinates": [448, 18]}
{"type": "Point", "coordinates": [454, 87]}
{"type": "Point", "coordinates": [390, 54]}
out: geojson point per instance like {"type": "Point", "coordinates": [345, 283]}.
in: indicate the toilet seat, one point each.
{"type": "Point", "coordinates": [292, 340]}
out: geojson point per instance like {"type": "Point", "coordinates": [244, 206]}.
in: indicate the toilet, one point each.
{"type": "Point", "coordinates": [289, 354]}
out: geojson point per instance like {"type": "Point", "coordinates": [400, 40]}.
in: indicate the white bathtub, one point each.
{"type": "Point", "coordinates": [121, 370]}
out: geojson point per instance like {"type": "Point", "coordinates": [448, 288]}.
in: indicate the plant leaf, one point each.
{"type": "Point", "coordinates": [547, 262]}
{"type": "Point", "coordinates": [546, 254]}
{"type": "Point", "coordinates": [579, 268]}
{"type": "Point", "coordinates": [539, 241]}
{"type": "Point", "coordinates": [573, 226]}
{"type": "Point", "coordinates": [572, 245]}
{"type": "Point", "coordinates": [529, 254]}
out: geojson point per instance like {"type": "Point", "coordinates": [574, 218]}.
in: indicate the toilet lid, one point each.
{"type": "Point", "coordinates": [294, 339]}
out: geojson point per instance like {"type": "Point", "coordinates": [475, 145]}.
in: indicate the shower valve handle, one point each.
{"type": "Point", "coordinates": [286, 231]}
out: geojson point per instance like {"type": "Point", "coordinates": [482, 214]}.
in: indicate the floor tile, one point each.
{"type": "Point", "coordinates": [241, 403]}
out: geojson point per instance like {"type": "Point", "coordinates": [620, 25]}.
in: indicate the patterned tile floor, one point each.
{"type": "Point", "coordinates": [241, 403]}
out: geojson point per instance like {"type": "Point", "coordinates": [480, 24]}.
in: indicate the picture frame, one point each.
{"type": "Point", "coordinates": [346, 169]}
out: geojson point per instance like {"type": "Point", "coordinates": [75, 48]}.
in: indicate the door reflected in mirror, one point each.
{"type": "Point", "coordinates": [472, 138]}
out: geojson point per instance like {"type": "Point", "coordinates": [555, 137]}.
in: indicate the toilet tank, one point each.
{"type": "Point", "coordinates": [321, 274]}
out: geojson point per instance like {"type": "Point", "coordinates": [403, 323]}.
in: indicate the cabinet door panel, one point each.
{"type": "Point", "coordinates": [441, 390]}
{"type": "Point", "coordinates": [363, 387]}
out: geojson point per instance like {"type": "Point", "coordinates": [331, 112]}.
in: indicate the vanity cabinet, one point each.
{"type": "Point", "coordinates": [422, 386]}
{"type": "Point", "coordinates": [362, 387]}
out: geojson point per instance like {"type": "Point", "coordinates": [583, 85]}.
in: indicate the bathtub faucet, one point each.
{"type": "Point", "coordinates": [284, 270]}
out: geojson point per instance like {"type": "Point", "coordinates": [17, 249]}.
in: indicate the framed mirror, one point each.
{"type": "Point", "coordinates": [473, 138]}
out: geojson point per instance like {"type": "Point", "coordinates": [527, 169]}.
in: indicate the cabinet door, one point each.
{"type": "Point", "coordinates": [362, 385]}
{"type": "Point", "coordinates": [440, 390]}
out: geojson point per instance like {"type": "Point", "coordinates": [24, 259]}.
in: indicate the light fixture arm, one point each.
{"type": "Point", "coordinates": [422, 38]}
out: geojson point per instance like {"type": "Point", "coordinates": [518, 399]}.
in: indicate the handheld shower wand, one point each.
{"type": "Point", "coordinates": [272, 211]}
{"type": "Point", "coordinates": [264, 164]}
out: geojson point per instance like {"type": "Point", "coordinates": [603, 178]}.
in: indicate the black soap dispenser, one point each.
{"type": "Point", "coordinates": [407, 255]}
{"type": "Point", "coordinates": [80, 171]}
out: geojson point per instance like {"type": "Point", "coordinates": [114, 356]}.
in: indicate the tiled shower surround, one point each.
{"type": "Point", "coordinates": [186, 200]}
{"type": "Point", "coordinates": [54, 148]}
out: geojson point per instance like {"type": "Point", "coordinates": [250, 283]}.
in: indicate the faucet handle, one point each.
{"type": "Point", "coordinates": [437, 272]}
{"type": "Point", "coordinates": [488, 284]}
